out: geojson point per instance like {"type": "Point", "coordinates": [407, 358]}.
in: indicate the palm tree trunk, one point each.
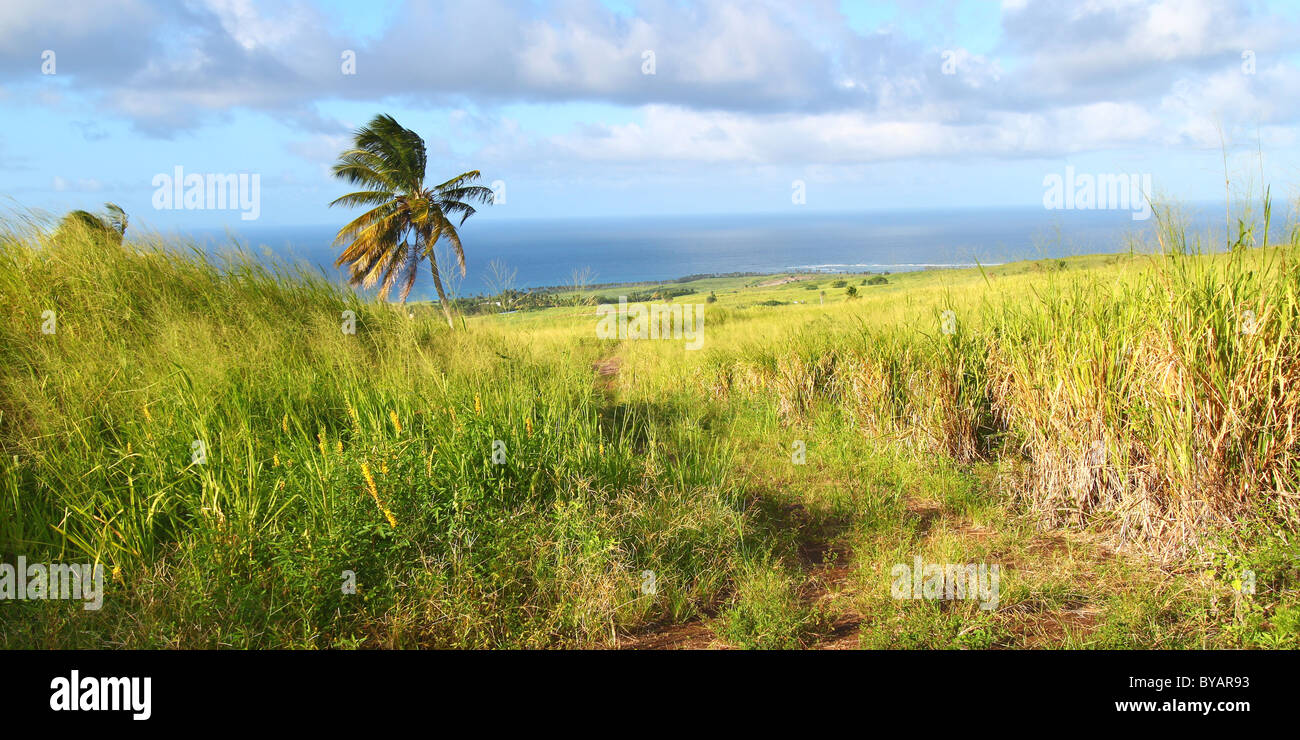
{"type": "Point", "coordinates": [442, 295]}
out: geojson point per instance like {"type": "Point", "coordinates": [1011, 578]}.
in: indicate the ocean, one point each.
{"type": "Point", "coordinates": [547, 252]}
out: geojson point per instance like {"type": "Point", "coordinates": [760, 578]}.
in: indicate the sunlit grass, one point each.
{"type": "Point", "coordinates": [1115, 396]}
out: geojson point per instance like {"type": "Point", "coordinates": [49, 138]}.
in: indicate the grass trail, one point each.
{"type": "Point", "coordinates": [849, 514]}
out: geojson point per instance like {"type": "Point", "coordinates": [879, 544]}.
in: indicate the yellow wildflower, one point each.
{"type": "Point", "coordinates": [528, 425]}
{"type": "Point", "coordinates": [356, 421]}
{"type": "Point", "coordinates": [149, 418]}
{"type": "Point", "coordinates": [284, 424]}
{"type": "Point", "coordinates": [275, 460]}
{"type": "Point", "coordinates": [339, 446]}
{"type": "Point", "coordinates": [374, 493]}
{"type": "Point", "coordinates": [370, 480]}
{"type": "Point", "coordinates": [397, 423]}
{"type": "Point", "coordinates": [320, 437]}
{"type": "Point", "coordinates": [478, 405]}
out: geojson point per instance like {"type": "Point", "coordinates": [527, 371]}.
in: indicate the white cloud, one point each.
{"type": "Point", "coordinates": [743, 81]}
{"type": "Point", "coordinates": [84, 185]}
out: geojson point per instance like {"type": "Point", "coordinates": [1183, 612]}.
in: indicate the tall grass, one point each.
{"type": "Point", "coordinates": [1136, 397]}
{"type": "Point", "coordinates": [1164, 404]}
{"type": "Point", "coordinates": [1157, 402]}
{"type": "Point", "coordinates": [328, 454]}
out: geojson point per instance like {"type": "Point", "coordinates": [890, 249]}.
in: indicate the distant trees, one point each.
{"type": "Point", "coordinates": [500, 282]}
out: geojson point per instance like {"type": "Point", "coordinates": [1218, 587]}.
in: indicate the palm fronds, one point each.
{"type": "Point", "coordinates": [385, 245]}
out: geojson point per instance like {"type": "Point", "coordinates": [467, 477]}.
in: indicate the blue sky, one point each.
{"type": "Point", "coordinates": [551, 98]}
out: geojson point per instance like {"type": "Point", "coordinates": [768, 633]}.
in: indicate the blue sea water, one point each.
{"type": "Point", "coordinates": [546, 252]}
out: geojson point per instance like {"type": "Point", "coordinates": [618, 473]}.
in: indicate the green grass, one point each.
{"type": "Point", "coordinates": [329, 453]}
{"type": "Point", "coordinates": [768, 613]}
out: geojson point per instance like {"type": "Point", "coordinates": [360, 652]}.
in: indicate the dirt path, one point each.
{"type": "Point", "coordinates": [830, 576]}
{"type": "Point", "coordinates": [784, 281]}
{"type": "Point", "coordinates": [829, 584]}
{"type": "Point", "coordinates": [607, 371]}
{"type": "Point", "coordinates": [685, 636]}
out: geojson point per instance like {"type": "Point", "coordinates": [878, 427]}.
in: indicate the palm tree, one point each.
{"type": "Point", "coordinates": [386, 244]}
{"type": "Point", "coordinates": [110, 226]}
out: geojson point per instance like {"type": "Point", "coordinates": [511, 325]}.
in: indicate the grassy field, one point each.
{"type": "Point", "coordinates": [1117, 433]}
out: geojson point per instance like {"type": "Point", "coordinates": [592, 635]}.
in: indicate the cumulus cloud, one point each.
{"type": "Point", "coordinates": [1130, 49]}
{"type": "Point", "coordinates": [844, 137]}
{"type": "Point", "coordinates": [733, 80]}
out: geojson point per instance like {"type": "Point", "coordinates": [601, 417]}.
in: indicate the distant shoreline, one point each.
{"type": "Point", "coordinates": [669, 250]}
{"type": "Point", "coordinates": [803, 270]}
